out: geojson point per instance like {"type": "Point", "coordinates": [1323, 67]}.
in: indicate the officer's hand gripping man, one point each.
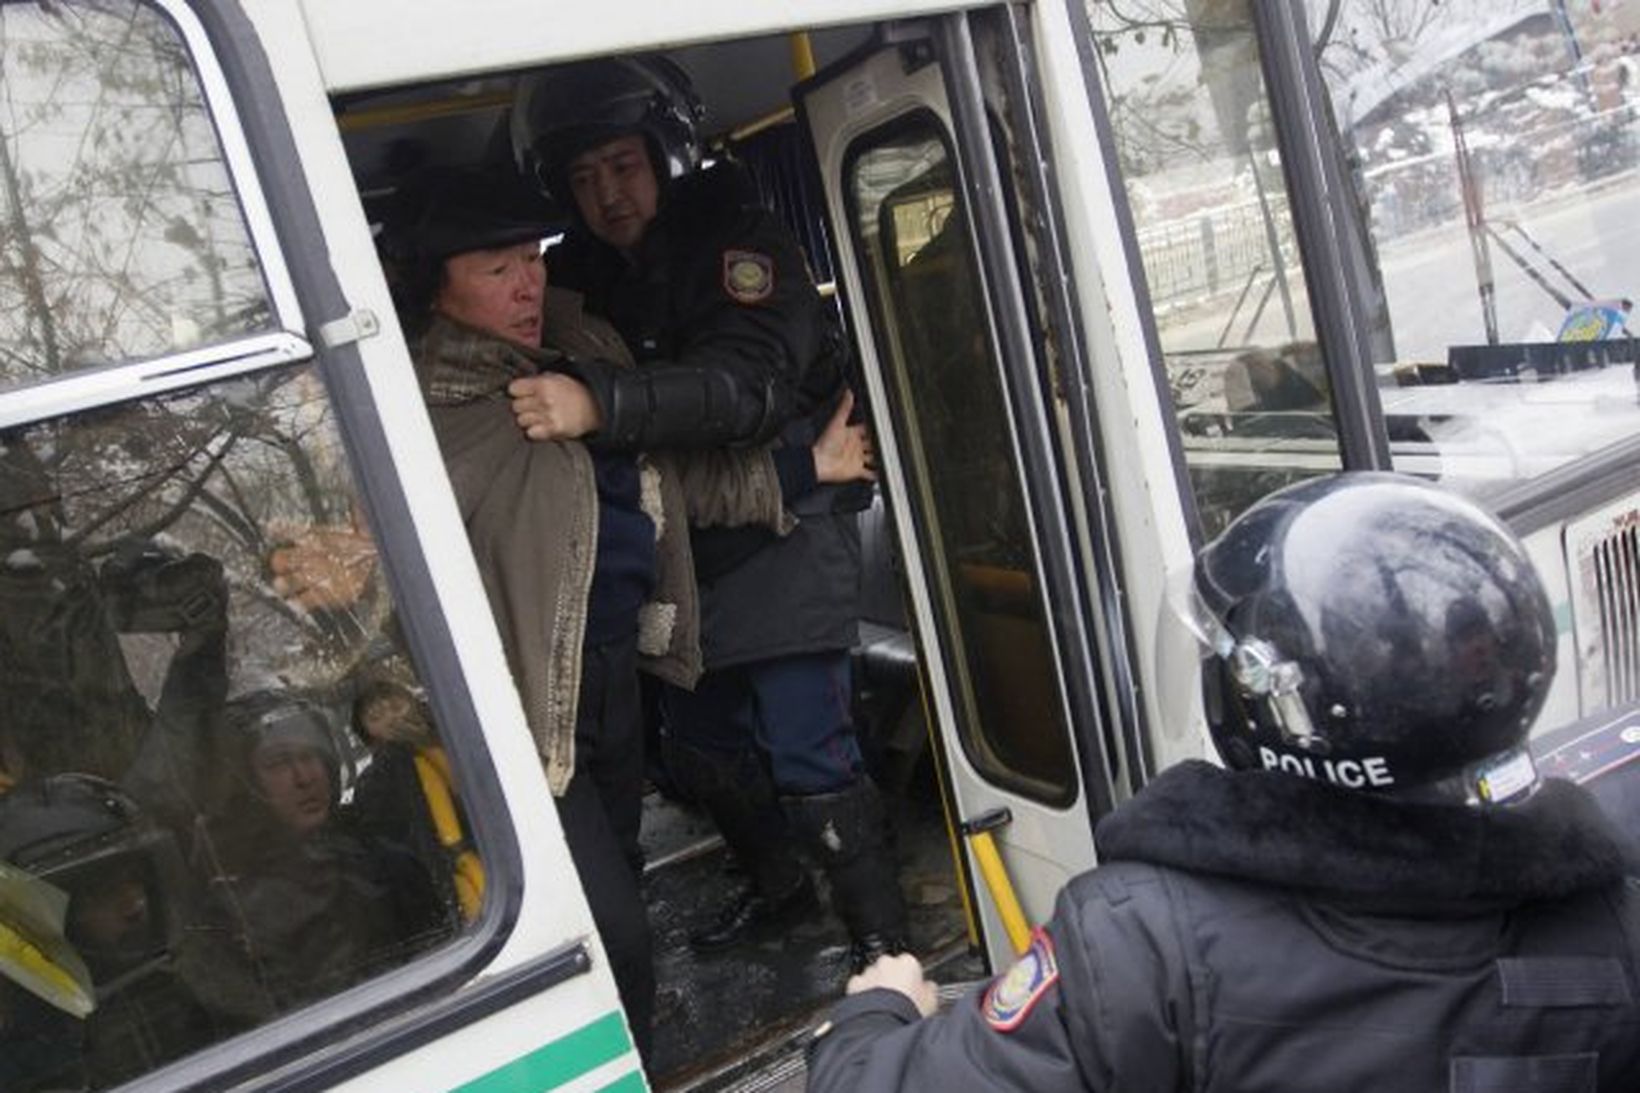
{"type": "Point", "coordinates": [1376, 892]}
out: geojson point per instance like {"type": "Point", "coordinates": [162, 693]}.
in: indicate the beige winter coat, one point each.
{"type": "Point", "coordinates": [531, 513]}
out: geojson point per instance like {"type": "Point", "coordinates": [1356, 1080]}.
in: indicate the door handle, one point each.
{"type": "Point", "coordinates": [995, 874]}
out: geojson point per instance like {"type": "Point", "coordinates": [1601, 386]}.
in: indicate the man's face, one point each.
{"type": "Point", "coordinates": [497, 291]}
{"type": "Point", "coordinates": [110, 916]}
{"type": "Point", "coordinates": [394, 718]}
{"type": "Point", "coordinates": [295, 783]}
{"type": "Point", "coordinates": [616, 191]}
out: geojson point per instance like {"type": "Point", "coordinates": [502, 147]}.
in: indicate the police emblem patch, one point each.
{"type": "Point", "coordinates": [1010, 998]}
{"type": "Point", "coordinates": [748, 276]}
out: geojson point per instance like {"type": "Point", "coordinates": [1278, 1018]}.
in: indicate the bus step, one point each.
{"type": "Point", "coordinates": [778, 1066]}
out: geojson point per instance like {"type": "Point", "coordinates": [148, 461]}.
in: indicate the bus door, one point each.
{"type": "Point", "coordinates": [963, 351]}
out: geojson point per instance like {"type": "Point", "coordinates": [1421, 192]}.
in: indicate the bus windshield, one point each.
{"type": "Point", "coordinates": [1493, 147]}
{"type": "Point", "coordinates": [1489, 150]}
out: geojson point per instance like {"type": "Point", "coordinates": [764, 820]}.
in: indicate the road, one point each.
{"type": "Point", "coordinates": [1430, 276]}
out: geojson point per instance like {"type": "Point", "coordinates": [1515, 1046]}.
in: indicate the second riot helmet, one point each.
{"type": "Point", "coordinates": [1377, 632]}
{"type": "Point", "coordinates": [87, 837]}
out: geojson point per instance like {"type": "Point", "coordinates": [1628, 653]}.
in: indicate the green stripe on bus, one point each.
{"type": "Point", "coordinates": [554, 1064]}
{"type": "Point", "coordinates": [627, 1083]}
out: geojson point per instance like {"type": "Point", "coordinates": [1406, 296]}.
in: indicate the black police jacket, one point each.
{"type": "Point", "coordinates": [1256, 931]}
{"type": "Point", "coordinates": [731, 338]}
{"type": "Point", "coordinates": [734, 346]}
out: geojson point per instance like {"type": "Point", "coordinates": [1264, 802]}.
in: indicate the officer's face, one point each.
{"type": "Point", "coordinates": [111, 915]}
{"type": "Point", "coordinates": [295, 783]}
{"type": "Point", "coordinates": [616, 191]}
{"type": "Point", "coordinates": [497, 291]}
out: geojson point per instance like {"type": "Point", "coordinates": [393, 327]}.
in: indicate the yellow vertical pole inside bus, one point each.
{"type": "Point", "coordinates": [466, 871]}
{"type": "Point", "coordinates": [802, 55]}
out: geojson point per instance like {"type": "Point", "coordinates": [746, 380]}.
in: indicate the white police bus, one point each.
{"type": "Point", "coordinates": [1112, 273]}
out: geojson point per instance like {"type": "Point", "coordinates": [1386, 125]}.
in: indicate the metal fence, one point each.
{"type": "Point", "coordinates": [1214, 251]}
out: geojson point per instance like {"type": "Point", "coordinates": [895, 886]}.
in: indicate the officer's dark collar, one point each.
{"type": "Point", "coordinates": [1392, 856]}
{"type": "Point", "coordinates": [704, 201]}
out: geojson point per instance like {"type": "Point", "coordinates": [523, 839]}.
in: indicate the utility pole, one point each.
{"type": "Point", "coordinates": [1474, 216]}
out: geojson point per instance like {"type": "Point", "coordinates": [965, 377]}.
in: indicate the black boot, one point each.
{"type": "Point", "coordinates": [737, 793]}
{"type": "Point", "coordinates": [753, 915]}
{"type": "Point", "coordinates": [848, 832]}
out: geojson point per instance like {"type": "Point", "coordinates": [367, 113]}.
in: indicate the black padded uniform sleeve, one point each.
{"type": "Point", "coordinates": [1101, 1001]}
{"type": "Point", "coordinates": [722, 316]}
{"type": "Point", "coordinates": [875, 1044]}
{"type": "Point", "coordinates": [678, 406]}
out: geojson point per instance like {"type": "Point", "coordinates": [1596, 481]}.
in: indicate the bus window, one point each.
{"type": "Point", "coordinates": [221, 794]}
{"type": "Point", "coordinates": [281, 844]}
{"type": "Point", "coordinates": [908, 222]}
{"type": "Point", "coordinates": [1492, 148]}
{"type": "Point", "coordinates": [124, 239]}
{"type": "Point", "coordinates": [1190, 118]}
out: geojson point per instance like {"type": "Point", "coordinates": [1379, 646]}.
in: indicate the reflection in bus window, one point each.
{"type": "Point", "coordinates": [949, 412]}
{"type": "Point", "coordinates": [1190, 117]}
{"type": "Point", "coordinates": [1494, 147]}
{"type": "Point", "coordinates": [153, 680]}
{"type": "Point", "coordinates": [122, 238]}
{"type": "Point", "coordinates": [193, 840]}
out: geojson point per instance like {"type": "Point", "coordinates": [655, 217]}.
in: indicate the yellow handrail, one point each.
{"type": "Point", "coordinates": [802, 55]}
{"type": "Point", "coordinates": [353, 121]}
{"type": "Point", "coordinates": [802, 51]}
{"type": "Point", "coordinates": [467, 872]}
{"type": "Point", "coordinates": [1000, 887]}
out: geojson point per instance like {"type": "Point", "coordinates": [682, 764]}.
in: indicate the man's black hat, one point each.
{"type": "Point", "coordinates": [444, 211]}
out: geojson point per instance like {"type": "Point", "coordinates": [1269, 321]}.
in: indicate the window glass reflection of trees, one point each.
{"type": "Point", "coordinates": [120, 233]}
{"type": "Point", "coordinates": [257, 761]}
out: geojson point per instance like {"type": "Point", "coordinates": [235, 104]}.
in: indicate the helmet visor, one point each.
{"type": "Point", "coordinates": [1193, 639]}
{"type": "Point", "coordinates": [33, 952]}
{"type": "Point", "coordinates": [1188, 636]}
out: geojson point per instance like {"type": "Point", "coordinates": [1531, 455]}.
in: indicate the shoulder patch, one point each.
{"type": "Point", "coordinates": [1011, 996]}
{"type": "Point", "coordinates": [748, 276]}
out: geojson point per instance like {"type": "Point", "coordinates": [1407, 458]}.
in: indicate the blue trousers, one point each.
{"type": "Point", "coordinates": [793, 709]}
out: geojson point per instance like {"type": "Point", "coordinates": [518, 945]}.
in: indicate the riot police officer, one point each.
{"type": "Point", "coordinates": [734, 346]}
{"type": "Point", "coordinates": [1378, 893]}
{"type": "Point", "coordinates": [128, 917]}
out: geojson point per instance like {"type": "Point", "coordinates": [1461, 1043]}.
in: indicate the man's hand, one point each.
{"type": "Point", "coordinates": [323, 568]}
{"type": "Point", "coordinates": [843, 453]}
{"type": "Point", "coordinates": [554, 407]}
{"type": "Point", "coordinates": [901, 973]}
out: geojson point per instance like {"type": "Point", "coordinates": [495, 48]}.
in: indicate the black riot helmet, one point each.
{"type": "Point", "coordinates": [87, 837]}
{"type": "Point", "coordinates": [1377, 632]}
{"type": "Point", "coordinates": [561, 112]}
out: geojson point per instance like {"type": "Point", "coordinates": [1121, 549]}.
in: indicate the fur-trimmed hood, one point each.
{"type": "Point", "coordinates": [1367, 851]}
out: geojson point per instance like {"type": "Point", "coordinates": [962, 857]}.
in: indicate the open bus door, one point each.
{"type": "Point", "coordinates": [1024, 666]}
